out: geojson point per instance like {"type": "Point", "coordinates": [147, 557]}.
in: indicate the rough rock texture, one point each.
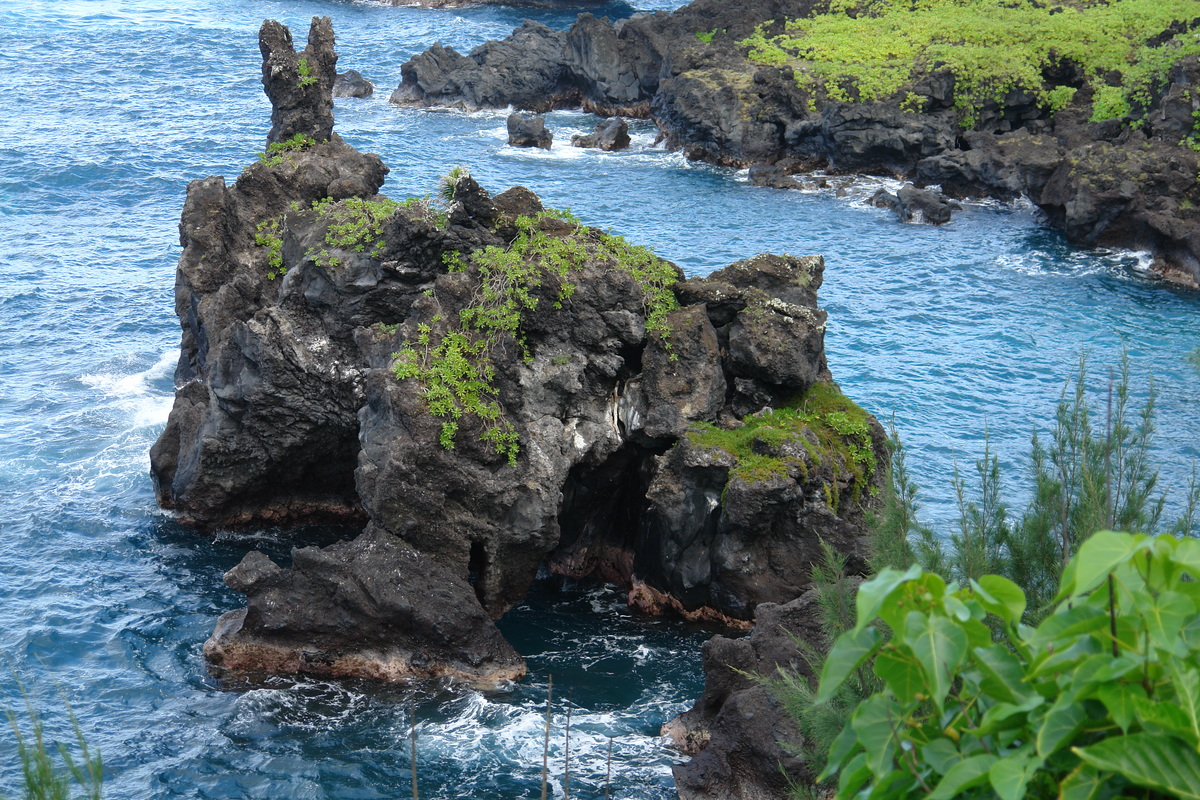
{"type": "Point", "coordinates": [299, 85]}
{"type": "Point", "coordinates": [297, 288]}
{"type": "Point", "coordinates": [736, 731]}
{"type": "Point", "coordinates": [916, 205]}
{"type": "Point", "coordinates": [528, 132]}
{"type": "Point", "coordinates": [610, 134]}
{"type": "Point", "coordinates": [373, 607]}
{"type": "Point", "coordinates": [1100, 183]}
{"type": "Point", "coordinates": [351, 83]}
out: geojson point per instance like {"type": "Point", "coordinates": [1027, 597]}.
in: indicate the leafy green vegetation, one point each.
{"type": "Point", "coordinates": [706, 37]}
{"type": "Point", "coordinates": [1086, 476]}
{"type": "Point", "coordinates": [1101, 699]}
{"type": "Point", "coordinates": [453, 358]}
{"type": "Point", "coordinates": [277, 152]}
{"type": "Point", "coordinates": [874, 49]}
{"type": "Point", "coordinates": [826, 424]}
{"type": "Point", "coordinates": [355, 225]}
{"type": "Point", "coordinates": [43, 778]}
{"type": "Point", "coordinates": [267, 235]}
{"type": "Point", "coordinates": [307, 78]}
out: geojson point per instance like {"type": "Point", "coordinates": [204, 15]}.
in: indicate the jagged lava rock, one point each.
{"type": "Point", "coordinates": [611, 134]}
{"type": "Point", "coordinates": [351, 83]}
{"type": "Point", "coordinates": [370, 608]}
{"type": "Point", "coordinates": [617, 421]}
{"type": "Point", "coordinates": [299, 85]}
{"type": "Point", "coordinates": [528, 132]}
{"type": "Point", "coordinates": [740, 737]}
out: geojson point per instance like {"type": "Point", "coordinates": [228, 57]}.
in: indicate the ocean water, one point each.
{"type": "Point", "coordinates": [112, 107]}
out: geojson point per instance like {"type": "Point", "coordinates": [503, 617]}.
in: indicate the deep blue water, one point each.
{"type": "Point", "coordinates": [112, 107]}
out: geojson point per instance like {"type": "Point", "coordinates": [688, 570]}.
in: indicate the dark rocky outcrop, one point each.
{"type": "Point", "coordinates": [299, 85]}
{"type": "Point", "coordinates": [351, 83]}
{"type": "Point", "coordinates": [916, 205]}
{"type": "Point", "coordinates": [610, 134]}
{"type": "Point", "coordinates": [528, 132]}
{"type": "Point", "coordinates": [681, 437]}
{"type": "Point", "coordinates": [738, 733]}
{"type": "Point", "coordinates": [1106, 183]}
{"type": "Point", "coordinates": [373, 608]}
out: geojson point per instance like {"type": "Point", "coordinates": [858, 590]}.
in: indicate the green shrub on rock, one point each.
{"type": "Point", "coordinates": [1102, 699]}
{"type": "Point", "coordinates": [865, 50]}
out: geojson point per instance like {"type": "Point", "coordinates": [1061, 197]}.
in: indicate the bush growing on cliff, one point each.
{"type": "Point", "coordinates": [1101, 699]}
{"type": "Point", "coordinates": [874, 49]}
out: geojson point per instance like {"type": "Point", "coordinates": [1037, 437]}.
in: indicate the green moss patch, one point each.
{"type": "Point", "coordinates": [829, 426]}
{"type": "Point", "coordinates": [454, 363]}
{"type": "Point", "coordinates": [875, 49]}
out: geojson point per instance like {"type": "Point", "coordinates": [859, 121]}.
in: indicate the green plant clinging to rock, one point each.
{"type": "Point", "coordinates": [267, 235]}
{"type": "Point", "coordinates": [991, 47]}
{"type": "Point", "coordinates": [277, 152]}
{"type": "Point", "coordinates": [355, 225]}
{"type": "Point", "coordinates": [823, 422]}
{"type": "Point", "coordinates": [1101, 699]}
{"type": "Point", "coordinates": [454, 360]}
{"type": "Point", "coordinates": [307, 78]}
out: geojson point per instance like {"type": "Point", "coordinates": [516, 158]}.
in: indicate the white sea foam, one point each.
{"type": "Point", "coordinates": [134, 394]}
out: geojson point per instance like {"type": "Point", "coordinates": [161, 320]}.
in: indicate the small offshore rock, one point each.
{"type": "Point", "coordinates": [528, 132]}
{"type": "Point", "coordinates": [610, 134]}
{"type": "Point", "coordinates": [351, 83]}
{"type": "Point", "coordinates": [763, 173]}
{"type": "Point", "coordinates": [916, 205]}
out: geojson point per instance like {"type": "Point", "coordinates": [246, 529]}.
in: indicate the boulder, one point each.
{"type": "Point", "coordinates": [371, 608]}
{"type": "Point", "coordinates": [916, 205]}
{"type": "Point", "coordinates": [351, 83]}
{"type": "Point", "coordinates": [763, 173]}
{"type": "Point", "coordinates": [610, 134]}
{"type": "Point", "coordinates": [528, 132]}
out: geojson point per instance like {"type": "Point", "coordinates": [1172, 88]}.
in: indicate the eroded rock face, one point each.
{"type": "Point", "coordinates": [611, 134]}
{"type": "Point", "coordinates": [737, 732]}
{"type": "Point", "coordinates": [300, 85]}
{"type": "Point", "coordinates": [601, 415]}
{"type": "Point", "coordinates": [373, 608]}
{"type": "Point", "coordinates": [528, 132]}
{"type": "Point", "coordinates": [1100, 183]}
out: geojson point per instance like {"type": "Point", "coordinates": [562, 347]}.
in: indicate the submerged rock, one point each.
{"type": "Point", "coordinates": [528, 132]}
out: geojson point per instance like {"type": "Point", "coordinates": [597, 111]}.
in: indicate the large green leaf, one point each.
{"type": "Point", "coordinates": [872, 594]}
{"type": "Point", "coordinates": [941, 755]}
{"type": "Point", "coordinates": [1011, 774]}
{"type": "Point", "coordinates": [900, 670]}
{"type": "Point", "coordinates": [896, 786]}
{"type": "Point", "coordinates": [940, 645]}
{"type": "Point", "coordinates": [924, 593]}
{"type": "Point", "coordinates": [875, 721]}
{"type": "Point", "coordinates": [1153, 761]}
{"type": "Point", "coordinates": [1084, 783]}
{"type": "Point", "coordinates": [1102, 553]}
{"type": "Point", "coordinates": [848, 653]}
{"type": "Point", "coordinates": [1003, 676]}
{"type": "Point", "coordinates": [1004, 716]}
{"type": "Point", "coordinates": [965, 774]}
{"type": "Point", "coordinates": [1165, 717]}
{"type": "Point", "coordinates": [1062, 721]}
{"type": "Point", "coordinates": [845, 745]}
{"type": "Point", "coordinates": [853, 777]}
{"type": "Point", "coordinates": [1064, 625]}
{"type": "Point", "coordinates": [1121, 701]}
{"type": "Point", "coordinates": [1186, 680]}
{"type": "Point", "coordinates": [1164, 616]}
{"type": "Point", "coordinates": [1001, 597]}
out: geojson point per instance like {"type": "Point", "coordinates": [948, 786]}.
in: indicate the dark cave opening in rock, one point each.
{"type": "Point", "coordinates": [602, 517]}
{"type": "Point", "coordinates": [477, 567]}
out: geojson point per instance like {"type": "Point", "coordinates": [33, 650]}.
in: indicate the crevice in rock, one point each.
{"type": "Point", "coordinates": [602, 516]}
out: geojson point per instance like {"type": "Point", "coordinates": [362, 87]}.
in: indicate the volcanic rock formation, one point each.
{"type": "Point", "coordinates": [1108, 183]}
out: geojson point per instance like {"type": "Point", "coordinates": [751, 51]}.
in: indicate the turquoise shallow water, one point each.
{"type": "Point", "coordinates": [112, 107]}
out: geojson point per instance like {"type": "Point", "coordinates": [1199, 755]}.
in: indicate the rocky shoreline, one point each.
{"type": "Point", "coordinates": [485, 387]}
{"type": "Point", "coordinates": [1129, 182]}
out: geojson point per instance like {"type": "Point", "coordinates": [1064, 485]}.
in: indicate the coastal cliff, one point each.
{"type": "Point", "coordinates": [1107, 153]}
{"type": "Point", "coordinates": [489, 386]}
